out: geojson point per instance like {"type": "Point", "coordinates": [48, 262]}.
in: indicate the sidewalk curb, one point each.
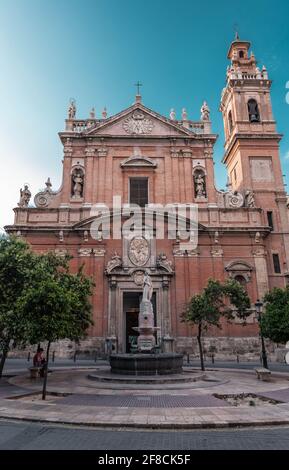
{"type": "Point", "coordinates": [160, 426]}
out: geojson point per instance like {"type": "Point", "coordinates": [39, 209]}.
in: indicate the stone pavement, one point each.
{"type": "Point", "coordinates": [80, 401]}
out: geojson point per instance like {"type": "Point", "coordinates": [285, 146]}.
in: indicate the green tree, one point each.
{"type": "Point", "coordinates": [215, 301]}
{"type": "Point", "coordinates": [56, 305]}
{"type": "Point", "coordinates": [275, 319]}
{"type": "Point", "coordinates": [16, 266]}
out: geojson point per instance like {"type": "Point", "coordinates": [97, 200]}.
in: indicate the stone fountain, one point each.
{"type": "Point", "coordinates": [146, 361]}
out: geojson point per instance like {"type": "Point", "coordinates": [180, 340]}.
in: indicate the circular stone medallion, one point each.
{"type": "Point", "coordinates": [138, 251]}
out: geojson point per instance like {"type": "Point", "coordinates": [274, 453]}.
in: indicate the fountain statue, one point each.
{"type": "Point", "coordinates": [147, 360]}
{"type": "Point", "coordinates": [146, 324]}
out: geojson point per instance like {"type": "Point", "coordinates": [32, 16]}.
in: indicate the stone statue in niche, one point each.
{"type": "Point", "coordinates": [25, 196]}
{"type": "Point", "coordinates": [250, 199]}
{"type": "Point", "coordinates": [77, 183]}
{"type": "Point", "coordinates": [205, 112]}
{"type": "Point", "coordinates": [71, 110]}
{"type": "Point", "coordinates": [200, 185]}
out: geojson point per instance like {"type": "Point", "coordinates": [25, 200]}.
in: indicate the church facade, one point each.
{"type": "Point", "coordinates": [141, 157]}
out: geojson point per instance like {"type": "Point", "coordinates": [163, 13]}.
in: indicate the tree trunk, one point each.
{"type": "Point", "coordinates": [199, 338]}
{"type": "Point", "coordinates": [45, 372]}
{"type": "Point", "coordinates": [4, 357]}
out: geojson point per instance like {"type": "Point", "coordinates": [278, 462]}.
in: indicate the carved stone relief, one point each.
{"type": "Point", "coordinates": [138, 251]}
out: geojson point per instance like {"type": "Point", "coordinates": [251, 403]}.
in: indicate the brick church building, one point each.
{"type": "Point", "coordinates": [145, 158]}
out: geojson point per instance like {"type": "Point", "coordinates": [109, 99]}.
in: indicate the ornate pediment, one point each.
{"type": "Point", "coordinates": [138, 161]}
{"type": "Point", "coordinates": [138, 121]}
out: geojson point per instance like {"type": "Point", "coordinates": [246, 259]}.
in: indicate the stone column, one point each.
{"type": "Point", "coordinates": [112, 337]}
{"type": "Point", "coordinates": [261, 271]}
{"type": "Point", "coordinates": [167, 340]}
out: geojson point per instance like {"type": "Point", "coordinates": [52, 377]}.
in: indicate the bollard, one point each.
{"type": "Point", "coordinates": [213, 358]}
{"type": "Point", "coordinates": [28, 357]}
{"type": "Point", "coordinates": [95, 357]}
{"type": "Point", "coordinates": [188, 358]}
{"type": "Point", "coordinates": [74, 357]}
{"type": "Point", "coordinates": [238, 358]}
{"type": "Point", "coordinates": [53, 356]}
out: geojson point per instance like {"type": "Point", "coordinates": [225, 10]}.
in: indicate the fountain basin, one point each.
{"type": "Point", "coordinates": [146, 364]}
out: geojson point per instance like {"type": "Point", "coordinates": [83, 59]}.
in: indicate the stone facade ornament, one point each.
{"type": "Point", "coordinates": [217, 252]}
{"type": "Point", "coordinates": [179, 253]}
{"type": "Point", "coordinates": [25, 196]}
{"type": "Point", "coordinates": [138, 123]}
{"type": "Point", "coordinates": [249, 199]}
{"type": "Point", "coordinates": [257, 237]}
{"type": "Point", "coordinates": [164, 262]}
{"type": "Point", "coordinates": [85, 236]}
{"type": "Point", "coordinates": [85, 251]}
{"type": "Point", "coordinates": [60, 236]}
{"type": "Point", "coordinates": [138, 251]}
{"type": "Point", "coordinates": [259, 252]}
{"type": "Point", "coordinates": [138, 278]}
{"type": "Point", "coordinates": [115, 262]}
{"type": "Point", "coordinates": [205, 112]}
{"type": "Point", "coordinates": [99, 252]}
{"type": "Point", "coordinates": [60, 252]}
{"type": "Point", "coordinates": [235, 199]}
{"type": "Point", "coordinates": [43, 198]}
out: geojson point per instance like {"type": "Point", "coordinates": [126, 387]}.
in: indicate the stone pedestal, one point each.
{"type": "Point", "coordinates": [146, 340]}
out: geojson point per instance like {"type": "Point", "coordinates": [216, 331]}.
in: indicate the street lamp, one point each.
{"type": "Point", "coordinates": [258, 306]}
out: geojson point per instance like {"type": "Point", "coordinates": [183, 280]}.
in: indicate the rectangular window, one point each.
{"type": "Point", "coordinates": [138, 191]}
{"type": "Point", "coordinates": [270, 219]}
{"type": "Point", "coordinates": [276, 262]}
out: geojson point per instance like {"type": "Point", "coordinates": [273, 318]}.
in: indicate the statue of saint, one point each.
{"type": "Point", "coordinates": [71, 110]}
{"type": "Point", "coordinates": [25, 196]}
{"type": "Point", "coordinates": [147, 288]}
{"type": "Point", "coordinates": [200, 185]}
{"type": "Point", "coordinates": [172, 115]}
{"type": "Point", "coordinates": [205, 112]}
{"type": "Point", "coordinates": [78, 184]}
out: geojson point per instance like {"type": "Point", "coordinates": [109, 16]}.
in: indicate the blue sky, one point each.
{"type": "Point", "coordinates": [94, 51]}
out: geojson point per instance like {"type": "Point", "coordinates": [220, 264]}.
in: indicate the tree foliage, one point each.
{"type": "Point", "coordinates": [16, 265]}
{"type": "Point", "coordinates": [39, 299]}
{"type": "Point", "coordinates": [215, 301]}
{"type": "Point", "coordinates": [275, 320]}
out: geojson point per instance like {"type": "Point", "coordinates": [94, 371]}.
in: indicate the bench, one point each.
{"type": "Point", "coordinates": [263, 374]}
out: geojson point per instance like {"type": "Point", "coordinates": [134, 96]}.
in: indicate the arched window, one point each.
{"type": "Point", "coordinates": [230, 122]}
{"type": "Point", "coordinates": [239, 278]}
{"type": "Point", "coordinates": [241, 54]}
{"type": "Point", "coordinates": [253, 111]}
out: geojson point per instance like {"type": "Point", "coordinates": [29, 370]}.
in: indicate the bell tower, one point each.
{"type": "Point", "coordinates": [251, 140]}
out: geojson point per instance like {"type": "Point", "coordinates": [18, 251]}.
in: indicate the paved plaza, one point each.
{"type": "Point", "coordinates": [74, 399]}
